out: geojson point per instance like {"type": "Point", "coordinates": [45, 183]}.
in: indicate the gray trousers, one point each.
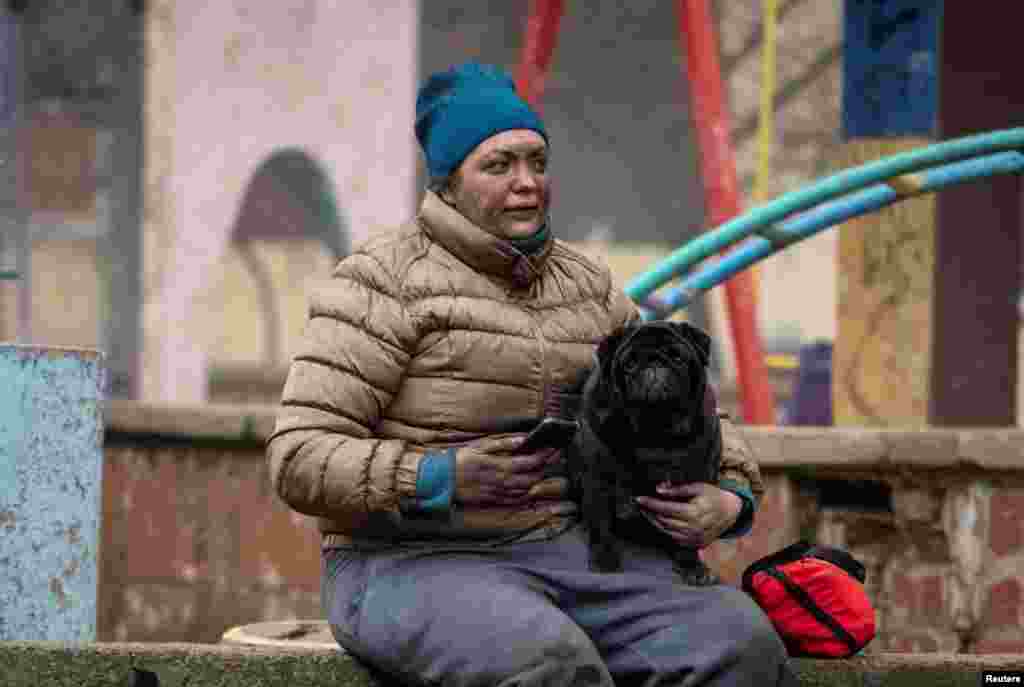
{"type": "Point", "coordinates": [534, 614]}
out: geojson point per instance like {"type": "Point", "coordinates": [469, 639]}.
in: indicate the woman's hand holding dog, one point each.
{"type": "Point", "coordinates": [694, 515]}
{"type": "Point", "coordinates": [490, 472]}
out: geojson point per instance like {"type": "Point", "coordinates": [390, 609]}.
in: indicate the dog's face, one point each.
{"type": "Point", "coordinates": [655, 377]}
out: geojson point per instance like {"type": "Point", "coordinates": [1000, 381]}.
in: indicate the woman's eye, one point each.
{"type": "Point", "coordinates": [497, 167]}
{"type": "Point", "coordinates": [540, 165]}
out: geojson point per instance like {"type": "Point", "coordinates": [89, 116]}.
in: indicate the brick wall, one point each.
{"type": "Point", "coordinates": [941, 534]}
{"type": "Point", "coordinates": [194, 541]}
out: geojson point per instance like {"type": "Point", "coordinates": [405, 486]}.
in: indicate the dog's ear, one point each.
{"type": "Point", "coordinates": [696, 336]}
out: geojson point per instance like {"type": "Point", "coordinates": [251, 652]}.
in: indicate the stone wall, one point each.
{"type": "Point", "coordinates": [194, 541]}
{"type": "Point", "coordinates": [935, 515]}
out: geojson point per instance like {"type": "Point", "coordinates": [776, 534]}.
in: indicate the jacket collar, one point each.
{"type": "Point", "coordinates": [477, 248]}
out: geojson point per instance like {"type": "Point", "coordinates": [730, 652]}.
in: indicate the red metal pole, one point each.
{"type": "Point", "coordinates": [538, 48]}
{"type": "Point", "coordinates": [721, 197]}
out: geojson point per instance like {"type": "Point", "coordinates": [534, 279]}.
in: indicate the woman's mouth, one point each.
{"type": "Point", "coordinates": [525, 212]}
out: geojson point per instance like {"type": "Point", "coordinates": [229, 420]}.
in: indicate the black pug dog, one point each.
{"type": "Point", "coordinates": [647, 414]}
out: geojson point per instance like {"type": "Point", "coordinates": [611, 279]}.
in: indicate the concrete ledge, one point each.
{"type": "Point", "coordinates": [59, 664]}
{"type": "Point", "coordinates": [888, 450]}
{"type": "Point", "coordinates": [832, 448]}
{"type": "Point", "coordinates": [236, 423]}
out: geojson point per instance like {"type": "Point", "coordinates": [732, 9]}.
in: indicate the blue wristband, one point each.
{"type": "Point", "coordinates": [745, 521]}
{"type": "Point", "coordinates": [435, 482]}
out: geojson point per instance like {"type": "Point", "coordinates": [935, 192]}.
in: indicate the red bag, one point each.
{"type": "Point", "coordinates": [815, 598]}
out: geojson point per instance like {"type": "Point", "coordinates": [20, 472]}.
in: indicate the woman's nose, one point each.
{"type": "Point", "coordinates": [525, 178]}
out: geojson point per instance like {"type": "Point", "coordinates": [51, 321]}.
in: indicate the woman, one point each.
{"type": "Point", "coordinates": [449, 557]}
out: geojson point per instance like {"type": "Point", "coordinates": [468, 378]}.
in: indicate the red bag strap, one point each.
{"type": "Point", "coordinates": [841, 559]}
{"type": "Point", "coordinates": [804, 549]}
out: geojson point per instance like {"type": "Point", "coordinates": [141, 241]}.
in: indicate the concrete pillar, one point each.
{"type": "Point", "coordinates": [14, 249]}
{"type": "Point", "coordinates": [51, 455]}
{"type": "Point", "coordinates": [882, 354]}
{"type": "Point", "coordinates": [120, 247]}
{"type": "Point", "coordinates": [885, 299]}
{"type": "Point", "coordinates": [928, 323]}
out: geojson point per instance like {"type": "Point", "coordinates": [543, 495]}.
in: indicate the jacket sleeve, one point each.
{"type": "Point", "coordinates": [739, 474]}
{"type": "Point", "coordinates": [738, 463]}
{"type": "Point", "coordinates": [323, 457]}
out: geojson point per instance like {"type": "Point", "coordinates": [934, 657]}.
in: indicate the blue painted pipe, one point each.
{"type": "Point", "coordinates": [824, 217]}
{"type": "Point", "coordinates": [51, 458]}
{"type": "Point", "coordinates": [834, 186]}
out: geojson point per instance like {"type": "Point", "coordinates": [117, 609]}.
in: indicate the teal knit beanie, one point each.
{"type": "Point", "coordinates": [459, 108]}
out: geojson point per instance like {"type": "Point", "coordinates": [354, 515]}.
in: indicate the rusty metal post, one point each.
{"type": "Point", "coordinates": [538, 49]}
{"type": "Point", "coordinates": [50, 474]}
{"type": "Point", "coordinates": [710, 111]}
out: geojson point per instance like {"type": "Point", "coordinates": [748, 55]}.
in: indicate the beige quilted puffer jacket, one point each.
{"type": "Point", "coordinates": [425, 338]}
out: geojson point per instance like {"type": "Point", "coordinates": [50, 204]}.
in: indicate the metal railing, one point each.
{"type": "Point", "coordinates": [835, 198]}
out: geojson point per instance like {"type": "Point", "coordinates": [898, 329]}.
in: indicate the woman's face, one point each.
{"type": "Point", "coordinates": [502, 186]}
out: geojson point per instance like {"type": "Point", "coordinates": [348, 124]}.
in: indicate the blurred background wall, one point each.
{"type": "Point", "coordinates": [184, 169]}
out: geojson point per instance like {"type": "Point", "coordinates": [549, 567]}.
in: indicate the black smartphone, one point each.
{"type": "Point", "coordinates": [551, 432]}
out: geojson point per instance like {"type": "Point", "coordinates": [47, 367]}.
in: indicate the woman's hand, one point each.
{"type": "Point", "coordinates": [694, 514]}
{"type": "Point", "coordinates": [490, 472]}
